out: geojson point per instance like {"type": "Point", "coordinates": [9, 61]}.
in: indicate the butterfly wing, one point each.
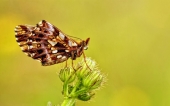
{"type": "Point", "coordinates": [43, 42]}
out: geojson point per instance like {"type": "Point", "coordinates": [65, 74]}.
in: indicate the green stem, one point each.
{"type": "Point", "coordinates": [75, 88]}
{"type": "Point", "coordinates": [81, 91]}
{"type": "Point", "coordinates": [69, 102]}
{"type": "Point", "coordinates": [65, 89]}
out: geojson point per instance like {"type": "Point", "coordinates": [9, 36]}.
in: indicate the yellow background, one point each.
{"type": "Point", "coordinates": [130, 40]}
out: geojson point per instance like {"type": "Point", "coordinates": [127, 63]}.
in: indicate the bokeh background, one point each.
{"type": "Point", "coordinates": [130, 40]}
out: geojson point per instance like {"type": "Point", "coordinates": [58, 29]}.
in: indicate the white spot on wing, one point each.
{"type": "Point", "coordinates": [64, 57]}
{"type": "Point", "coordinates": [30, 47]}
{"type": "Point", "coordinates": [70, 43]}
{"type": "Point", "coordinates": [66, 50]}
{"type": "Point", "coordinates": [26, 53]}
{"type": "Point", "coordinates": [19, 43]}
{"type": "Point", "coordinates": [74, 44]}
{"type": "Point", "coordinates": [50, 26]}
{"type": "Point", "coordinates": [52, 43]}
{"type": "Point", "coordinates": [32, 54]}
{"type": "Point", "coordinates": [59, 56]}
{"type": "Point", "coordinates": [16, 28]}
{"type": "Point", "coordinates": [54, 51]}
{"type": "Point", "coordinates": [61, 36]}
{"type": "Point", "coordinates": [22, 48]}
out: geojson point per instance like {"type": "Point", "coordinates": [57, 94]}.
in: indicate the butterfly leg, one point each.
{"type": "Point", "coordinates": [73, 66]}
{"type": "Point", "coordinates": [85, 61]}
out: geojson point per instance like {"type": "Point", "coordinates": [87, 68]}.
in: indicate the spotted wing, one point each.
{"type": "Point", "coordinates": [43, 42]}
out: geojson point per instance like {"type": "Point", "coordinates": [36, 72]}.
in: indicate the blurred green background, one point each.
{"type": "Point", "coordinates": [130, 40]}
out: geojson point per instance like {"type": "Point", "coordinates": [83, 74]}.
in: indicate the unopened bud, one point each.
{"type": "Point", "coordinates": [67, 75]}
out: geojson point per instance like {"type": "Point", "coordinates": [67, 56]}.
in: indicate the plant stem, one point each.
{"type": "Point", "coordinates": [65, 89]}
{"type": "Point", "coordinates": [69, 102]}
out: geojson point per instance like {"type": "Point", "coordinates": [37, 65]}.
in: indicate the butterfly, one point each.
{"type": "Point", "coordinates": [48, 44]}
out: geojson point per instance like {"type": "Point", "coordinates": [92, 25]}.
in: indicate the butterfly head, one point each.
{"type": "Point", "coordinates": [83, 46]}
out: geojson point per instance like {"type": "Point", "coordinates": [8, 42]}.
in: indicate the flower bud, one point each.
{"type": "Point", "coordinates": [83, 67]}
{"type": "Point", "coordinates": [93, 80]}
{"type": "Point", "coordinates": [67, 75]}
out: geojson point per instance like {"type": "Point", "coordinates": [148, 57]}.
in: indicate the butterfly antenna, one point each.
{"type": "Point", "coordinates": [74, 37]}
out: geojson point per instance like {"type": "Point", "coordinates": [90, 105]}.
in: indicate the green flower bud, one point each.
{"type": "Point", "coordinates": [82, 68]}
{"type": "Point", "coordinates": [67, 75]}
{"type": "Point", "coordinates": [93, 80]}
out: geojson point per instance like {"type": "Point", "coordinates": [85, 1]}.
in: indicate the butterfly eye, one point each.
{"type": "Point", "coordinates": [86, 47]}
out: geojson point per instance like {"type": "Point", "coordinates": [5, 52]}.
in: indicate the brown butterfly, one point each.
{"type": "Point", "coordinates": [48, 44]}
